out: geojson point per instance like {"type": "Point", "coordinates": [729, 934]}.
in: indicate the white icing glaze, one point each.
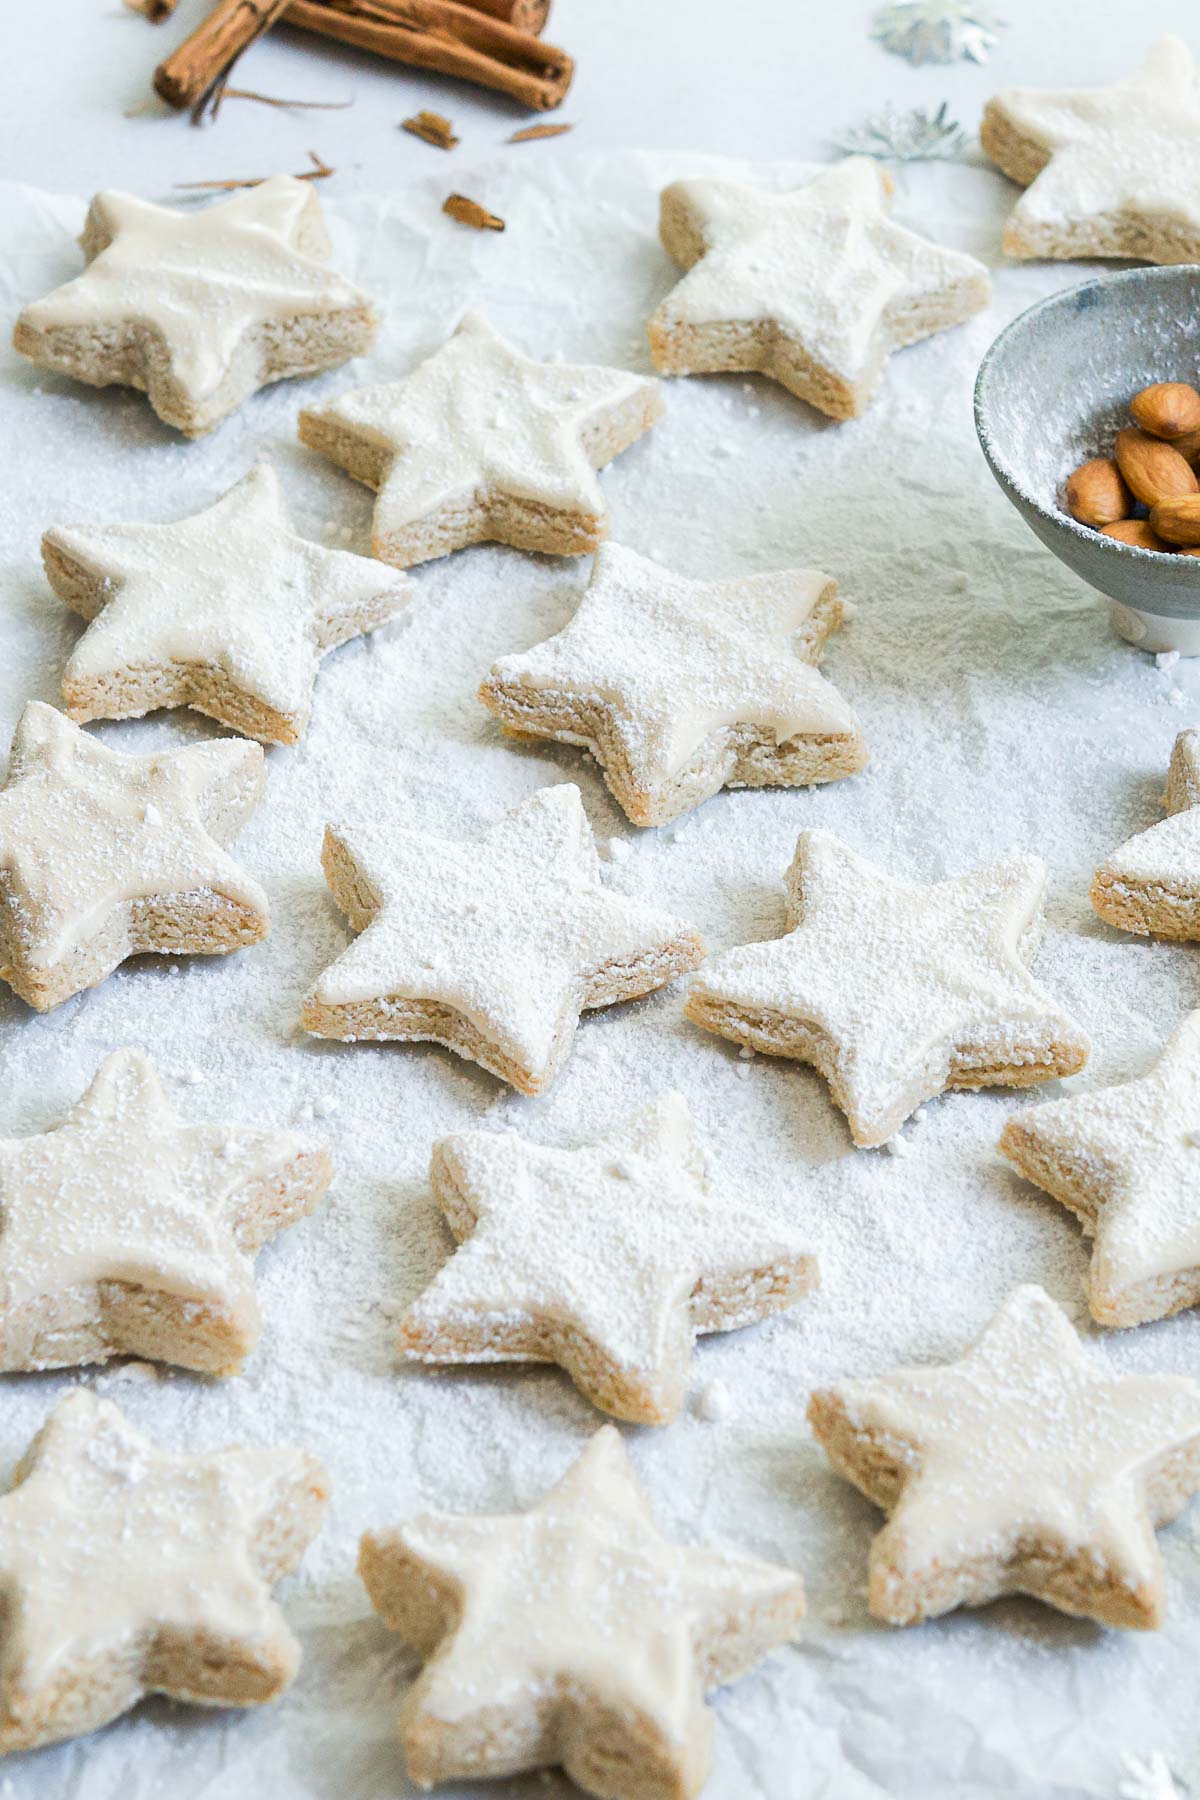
{"type": "Point", "coordinates": [84, 829]}
{"type": "Point", "coordinates": [898, 976]}
{"type": "Point", "coordinates": [123, 1191]}
{"type": "Point", "coordinates": [678, 659]}
{"type": "Point", "coordinates": [110, 1543]}
{"type": "Point", "coordinates": [1136, 1148]}
{"type": "Point", "coordinates": [1024, 1440]}
{"type": "Point", "coordinates": [232, 587]}
{"type": "Point", "coordinates": [824, 264]}
{"type": "Point", "coordinates": [1169, 852]}
{"type": "Point", "coordinates": [479, 417]}
{"type": "Point", "coordinates": [503, 927]}
{"type": "Point", "coordinates": [609, 1240]}
{"type": "Point", "coordinates": [202, 280]}
{"type": "Point", "coordinates": [587, 1599]}
{"type": "Point", "coordinates": [1130, 148]}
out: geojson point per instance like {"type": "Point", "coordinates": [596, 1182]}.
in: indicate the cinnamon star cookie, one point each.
{"type": "Point", "coordinates": [227, 611]}
{"type": "Point", "coordinates": [104, 856]}
{"type": "Point", "coordinates": [126, 1570]}
{"type": "Point", "coordinates": [1126, 1161]}
{"type": "Point", "coordinates": [199, 309]}
{"type": "Point", "coordinates": [680, 688]}
{"type": "Point", "coordinates": [1151, 884]}
{"type": "Point", "coordinates": [574, 1635]}
{"type": "Point", "coordinates": [814, 288]}
{"type": "Point", "coordinates": [608, 1260]}
{"type": "Point", "coordinates": [893, 991]}
{"type": "Point", "coordinates": [491, 945]}
{"type": "Point", "coordinates": [482, 444]}
{"type": "Point", "coordinates": [125, 1232]}
{"type": "Point", "coordinates": [1024, 1468]}
{"type": "Point", "coordinates": [1110, 171]}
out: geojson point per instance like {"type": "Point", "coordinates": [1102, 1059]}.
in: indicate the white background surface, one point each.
{"type": "Point", "coordinates": [758, 78]}
{"type": "Point", "coordinates": [1001, 714]}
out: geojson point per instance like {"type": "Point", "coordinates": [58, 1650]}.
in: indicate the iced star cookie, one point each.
{"type": "Point", "coordinates": [491, 945]}
{"type": "Point", "coordinates": [895, 992]}
{"type": "Point", "coordinates": [814, 288]}
{"type": "Point", "coordinates": [106, 856]}
{"type": "Point", "coordinates": [227, 611]}
{"type": "Point", "coordinates": [1024, 1468]}
{"type": "Point", "coordinates": [482, 444]}
{"type": "Point", "coordinates": [126, 1570]}
{"type": "Point", "coordinates": [1151, 883]}
{"type": "Point", "coordinates": [1109, 171]}
{"type": "Point", "coordinates": [1126, 1161]}
{"type": "Point", "coordinates": [573, 1634]}
{"type": "Point", "coordinates": [608, 1260]}
{"type": "Point", "coordinates": [126, 1232]}
{"type": "Point", "coordinates": [680, 688]}
{"type": "Point", "coordinates": [199, 309]}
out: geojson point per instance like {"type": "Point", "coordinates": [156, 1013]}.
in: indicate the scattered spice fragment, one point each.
{"type": "Point", "coordinates": [533, 132]}
{"type": "Point", "coordinates": [432, 128]}
{"type": "Point", "coordinates": [318, 172]}
{"type": "Point", "coordinates": [469, 212]}
{"type": "Point", "coordinates": [232, 93]}
{"type": "Point", "coordinates": [154, 10]}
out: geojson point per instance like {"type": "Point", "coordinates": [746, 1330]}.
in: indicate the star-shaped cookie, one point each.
{"type": "Point", "coordinates": [681, 687]}
{"type": "Point", "coordinates": [814, 288]}
{"type": "Point", "coordinates": [126, 1570]}
{"type": "Point", "coordinates": [199, 309]}
{"type": "Point", "coordinates": [227, 611]}
{"type": "Point", "coordinates": [893, 991]}
{"type": "Point", "coordinates": [125, 1232]}
{"type": "Point", "coordinates": [491, 945]}
{"type": "Point", "coordinates": [104, 856]}
{"type": "Point", "coordinates": [1151, 883]}
{"type": "Point", "coordinates": [608, 1260]}
{"type": "Point", "coordinates": [1126, 1160]}
{"type": "Point", "coordinates": [1110, 171]}
{"type": "Point", "coordinates": [574, 1634]}
{"type": "Point", "coordinates": [1024, 1468]}
{"type": "Point", "coordinates": [482, 444]}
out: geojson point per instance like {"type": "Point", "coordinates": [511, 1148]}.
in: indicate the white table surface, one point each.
{"type": "Point", "coordinates": [756, 78]}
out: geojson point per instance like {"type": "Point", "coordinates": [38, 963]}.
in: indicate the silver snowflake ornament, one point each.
{"type": "Point", "coordinates": [915, 136]}
{"type": "Point", "coordinates": [939, 31]}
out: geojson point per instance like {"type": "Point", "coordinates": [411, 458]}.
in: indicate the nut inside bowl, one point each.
{"type": "Point", "coordinates": [1054, 390]}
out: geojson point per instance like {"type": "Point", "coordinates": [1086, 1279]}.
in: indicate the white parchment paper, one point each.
{"type": "Point", "coordinates": [1002, 714]}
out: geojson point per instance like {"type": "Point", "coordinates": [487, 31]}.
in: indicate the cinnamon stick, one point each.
{"type": "Point", "coordinates": [526, 15]}
{"type": "Point", "coordinates": [187, 75]}
{"type": "Point", "coordinates": [448, 36]}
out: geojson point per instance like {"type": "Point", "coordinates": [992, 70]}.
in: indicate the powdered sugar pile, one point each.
{"type": "Point", "coordinates": [1002, 716]}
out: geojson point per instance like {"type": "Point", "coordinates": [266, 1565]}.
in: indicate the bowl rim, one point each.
{"type": "Point", "coordinates": [1005, 474]}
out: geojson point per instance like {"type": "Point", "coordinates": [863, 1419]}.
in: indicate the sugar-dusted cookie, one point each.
{"type": "Point", "coordinates": [491, 945]}
{"type": "Point", "coordinates": [1151, 883]}
{"type": "Point", "coordinates": [574, 1634]}
{"type": "Point", "coordinates": [893, 991]}
{"type": "Point", "coordinates": [815, 287]}
{"type": "Point", "coordinates": [105, 856]}
{"type": "Point", "coordinates": [1027, 1467]}
{"type": "Point", "coordinates": [608, 1260]}
{"type": "Point", "coordinates": [1110, 171]}
{"type": "Point", "coordinates": [1126, 1160]}
{"type": "Point", "coordinates": [681, 687]}
{"type": "Point", "coordinates": [128, 1570]}
{"type": "Point", "coordinates": [227, 611]}
{"type": "Point", "coordinates": [199, 309]}
{"type": "Point", "coordinates": [126, 1232]}
{"type": "Point", "coordinates": [482, 444]}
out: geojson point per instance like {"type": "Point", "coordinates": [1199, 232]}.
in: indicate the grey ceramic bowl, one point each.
{"type": "Point", "coordinates": [1054, 389]}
